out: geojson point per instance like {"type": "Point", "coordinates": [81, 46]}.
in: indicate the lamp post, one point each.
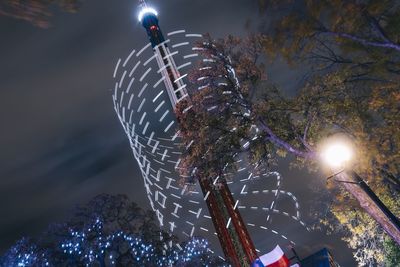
{"type": "Point", "coordinates": [338, 155]}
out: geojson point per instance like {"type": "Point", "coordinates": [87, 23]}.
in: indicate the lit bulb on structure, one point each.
{"type": "Point", "coordinates": [337, 154]}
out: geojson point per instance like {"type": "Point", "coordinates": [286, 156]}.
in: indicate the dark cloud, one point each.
{"type": "Point", "coordinates": [61, 142]}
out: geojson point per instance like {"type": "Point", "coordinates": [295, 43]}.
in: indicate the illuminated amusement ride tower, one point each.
{"type": "Point", "coordinates": [230, 228]}
{"type": "Point", "coordinates": [148, 85]}
{"type": "Point", "coordinates": [176, 89]}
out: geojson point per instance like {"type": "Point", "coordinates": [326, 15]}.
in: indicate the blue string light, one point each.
{"type": "Point", "coordinates": [92, 246]}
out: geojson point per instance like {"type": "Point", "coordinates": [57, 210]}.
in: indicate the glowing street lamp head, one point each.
{"type": "Point", "coordinates": [337, 154]}
{"type": "Point", "coordinates": [146, 10]}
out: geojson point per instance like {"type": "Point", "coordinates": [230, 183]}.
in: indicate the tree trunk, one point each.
{"type": "Point", "coordinates": [352, 183]}
{"type": "Point", "coordinates": [369, 205]}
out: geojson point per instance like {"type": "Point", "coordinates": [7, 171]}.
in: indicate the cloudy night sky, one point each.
{"type": "Point", "coordinates": [61, 142]}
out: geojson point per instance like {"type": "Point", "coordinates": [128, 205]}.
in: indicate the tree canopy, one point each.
{"type": "Point", "coordinates": [350, 50]}
{"type": "Point", "coordinates": [109, 231]}
{"type": "Point", "coordinates": [37, 12]}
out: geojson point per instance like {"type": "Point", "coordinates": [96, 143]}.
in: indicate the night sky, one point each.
{"type": "Point", "coordinates": [61, 143]}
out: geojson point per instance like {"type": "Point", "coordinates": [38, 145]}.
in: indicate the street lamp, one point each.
{"type": "Point", "coordinates": [338, 155]}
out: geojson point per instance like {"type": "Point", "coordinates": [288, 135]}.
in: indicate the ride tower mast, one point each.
{"type": "Point", "coordinates": [175, 87]}
{"type": "Point", "coordinates": [231, 230]}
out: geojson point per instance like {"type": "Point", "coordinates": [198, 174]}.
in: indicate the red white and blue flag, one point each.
{"type": "Point", "coordinates": [275, 258]}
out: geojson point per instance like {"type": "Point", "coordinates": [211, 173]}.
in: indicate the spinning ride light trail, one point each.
{"type": "Point", "coordinates": [146, 111]}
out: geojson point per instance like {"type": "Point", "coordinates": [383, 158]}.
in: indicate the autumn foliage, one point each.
{"type": "Point", "coordinates": [350, 52]}
{"type": "Point", "coordinates": [37, 12]}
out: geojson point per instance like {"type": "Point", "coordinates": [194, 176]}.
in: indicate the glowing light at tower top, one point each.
{"type": "Point", "coordinates": [144, 10]}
